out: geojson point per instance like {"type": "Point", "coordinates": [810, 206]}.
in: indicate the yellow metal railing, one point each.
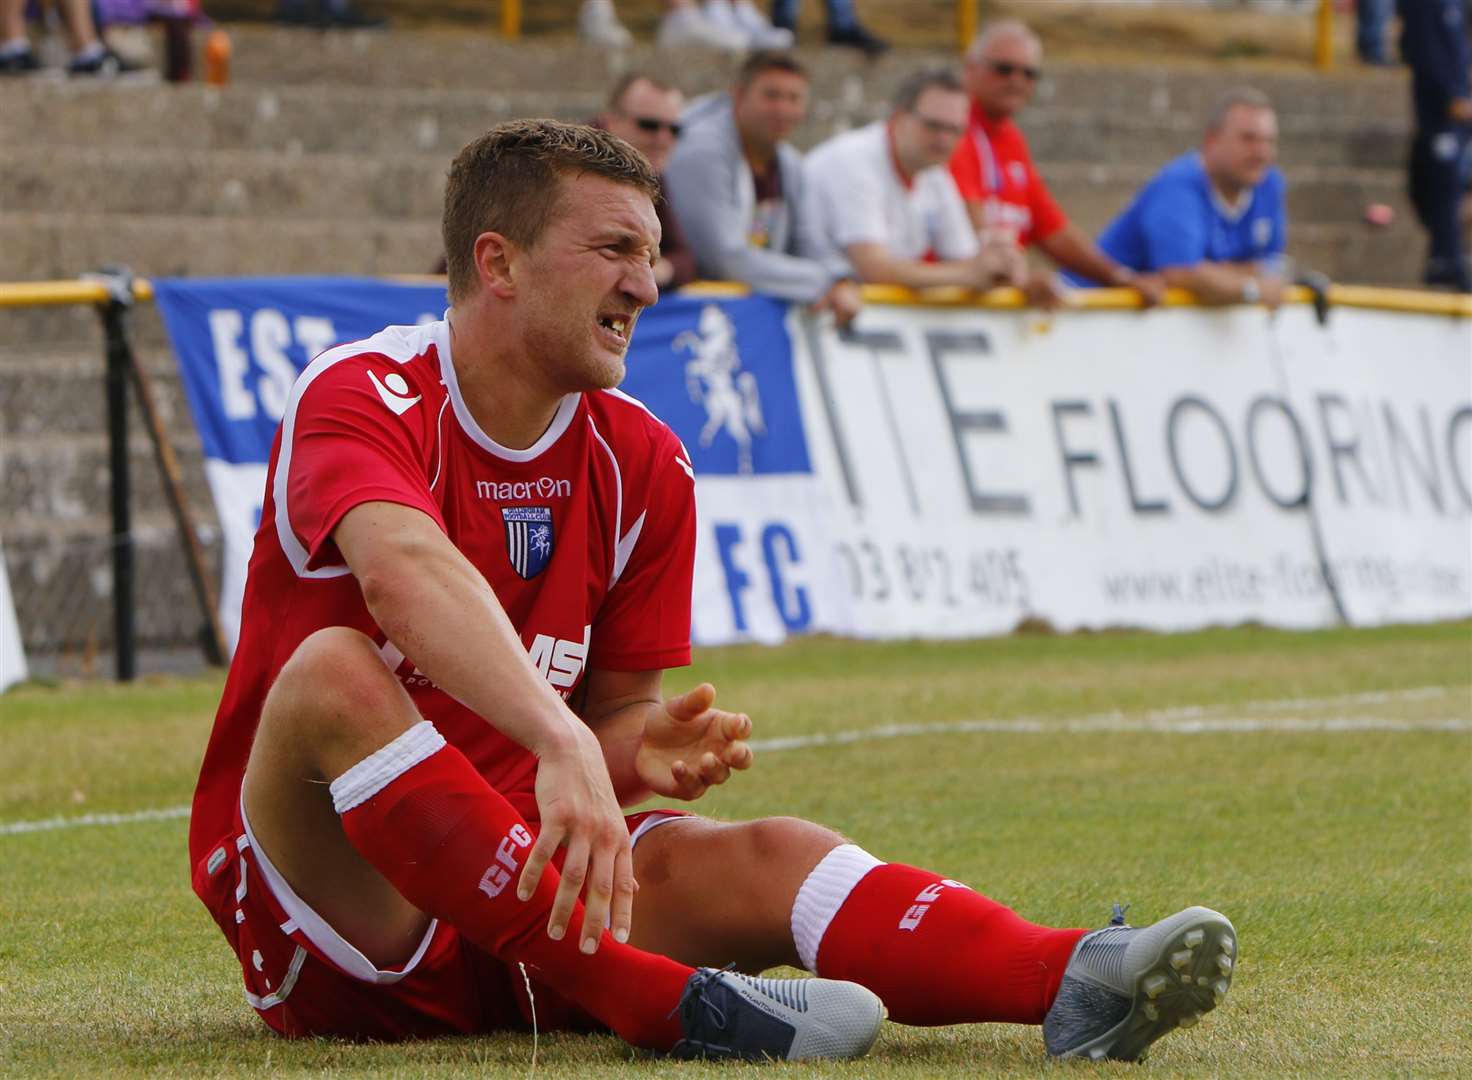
{"type": "Point", "coordinates": [968, 18]}
{"type": "Point", "coordinates": [1416, 301]}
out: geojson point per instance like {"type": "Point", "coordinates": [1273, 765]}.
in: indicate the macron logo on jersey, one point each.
{"type": "Point", "coordinates": [394, 390]}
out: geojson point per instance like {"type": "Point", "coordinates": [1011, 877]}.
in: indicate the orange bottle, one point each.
{"type": "Point", "coordinates": [217, 58]}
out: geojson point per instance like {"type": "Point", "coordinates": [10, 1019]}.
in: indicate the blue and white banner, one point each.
{"type": "Point", "coordinates": [720, 372]}
{"type": "Point", "coordinates": [952, 472]}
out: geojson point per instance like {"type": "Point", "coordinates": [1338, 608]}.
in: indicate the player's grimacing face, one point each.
{"type": "Point", "coordinates": [589, 275]}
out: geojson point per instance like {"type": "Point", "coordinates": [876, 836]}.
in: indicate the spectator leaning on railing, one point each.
{"type": "Point", "coordinates": [736, 185]}
{"type": "Point", "coordinates": [882, 198]}
{"type": "Point", "coordinates": [994, 171]}
{"type": "Point", "coordinates": [1213, 221]}
{"type": "Point", "coordinates": [645, 113]}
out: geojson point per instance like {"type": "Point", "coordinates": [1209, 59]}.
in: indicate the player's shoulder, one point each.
{"type": "Point", "coordinates": [397, 364]}
{"type": "Point", "coordinates": [628, 424]}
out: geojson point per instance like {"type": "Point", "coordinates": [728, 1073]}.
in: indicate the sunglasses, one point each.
{"type": "Point", "coordinates": [1006, 69]}
{"type": "Point", "coordinates": [653, 126]}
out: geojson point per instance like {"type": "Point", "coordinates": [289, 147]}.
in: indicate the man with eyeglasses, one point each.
{"type": "Point", "coordinates": [645, 113]}
{"type": "Point", "coordinates": [882, 197]}
{"type": "Point", "coordinates": [995, 174]}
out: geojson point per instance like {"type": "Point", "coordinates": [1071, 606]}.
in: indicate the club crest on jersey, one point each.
{"type": "Point", "coordinates": [528, 538]}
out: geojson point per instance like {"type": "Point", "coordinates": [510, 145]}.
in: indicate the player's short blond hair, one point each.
{"type": "Point", "coordinates": [509, 181]}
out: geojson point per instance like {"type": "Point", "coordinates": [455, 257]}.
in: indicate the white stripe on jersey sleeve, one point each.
{"type": "Point", "coordinates": [400, 344]}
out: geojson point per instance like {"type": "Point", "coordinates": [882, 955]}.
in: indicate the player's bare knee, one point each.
{"type": "Point", "coordinates": [788, 842]}
{"type": "Point", "coordinates": [334, 689]}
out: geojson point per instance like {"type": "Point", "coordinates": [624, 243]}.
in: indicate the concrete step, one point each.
{"type": "Point", "coordinates": [1094, 194]}
{"type": "Point", "coordinates": [391, 122]}
{"type": "Point", "coordinates": [317, 188]}
{"type": "Point", "coordinates": [26, 329]}
{"type": "Point", "coordinates": [53, 245]}
{"type": "Point", "coordinates": [61, 581]}
{"type": "Point", "coordinates": [58, 480]}
{"type": "Point", "coordinates": [49, 392]}
{"type": "Point", "coordinates": [454, 58]}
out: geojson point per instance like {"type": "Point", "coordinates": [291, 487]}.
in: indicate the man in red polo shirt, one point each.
{"type": "Point", "coordinates": [994, 172]}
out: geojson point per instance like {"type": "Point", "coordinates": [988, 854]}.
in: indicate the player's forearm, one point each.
{"type": "Point", "coordinates": [444, 617]}
{"type": "Point", "coordinates": [619, 733]}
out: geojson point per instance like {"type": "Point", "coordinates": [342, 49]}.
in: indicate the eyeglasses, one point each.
{"type": "Point", "coordinates": [654, 126]}
{"type": "Point", "coordinates": [1006, 69]}
{"type": "Point", "coordinates": [940, 127]}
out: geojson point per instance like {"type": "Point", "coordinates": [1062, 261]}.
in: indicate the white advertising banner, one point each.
{"type": "Point", "coordinates": [12, 652]}
{"type": "Point", "coordinates": [1171, 469]}
{"type": "Point", "coordinates": [947, 471]}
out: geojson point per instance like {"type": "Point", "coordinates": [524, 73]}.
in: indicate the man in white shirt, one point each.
{"type": "Point", "coordinates": [882, 198]}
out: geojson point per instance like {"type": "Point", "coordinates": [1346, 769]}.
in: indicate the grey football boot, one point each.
{"type": "Point", "coordinates": [729, 1015]}
{"type": "Point", "coordinates": [1126, 986]}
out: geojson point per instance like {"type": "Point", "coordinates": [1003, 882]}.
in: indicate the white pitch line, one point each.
{"type": "Point", "coordinates": [1182, 720]}
{"type": "Point", "coordinates": [1111, 724]}
{"type": "Point", "coordinates": [167, 813]}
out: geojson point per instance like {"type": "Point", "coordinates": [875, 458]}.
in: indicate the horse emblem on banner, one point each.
{"type": "Point", "coordinates": [528, 538]}
{"type": "Point", "coordinates": [716, 382]}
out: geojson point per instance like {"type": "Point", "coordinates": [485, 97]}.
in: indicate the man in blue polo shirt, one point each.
{"type": "Point", "coordinates": [1213, 220]}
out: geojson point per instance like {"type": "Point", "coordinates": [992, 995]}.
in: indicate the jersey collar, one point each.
{"type": "Point", "coordinates": [561, 420]}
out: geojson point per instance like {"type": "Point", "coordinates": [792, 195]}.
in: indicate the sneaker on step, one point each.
{"type": "Point", "coordinates": [20, 62]}
{"type": "Point", "coordinates": [729, 1015]}
{"type": "Point", "coordinates": [1126, 986]}
{"type": "Point", "coordinates": [598, 25]}
{"type": "Point", "coordinates": [104, 63]}
{"type": "Point", "coordinates": [743, 17]}
{"type": "Point", "coordinates": [857, 37]}
{"type": "Point", "coordinates": [688, 27]}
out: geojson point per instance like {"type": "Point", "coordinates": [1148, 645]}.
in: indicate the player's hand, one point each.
{"type": "Point", "coordinates": [578, 810]}
{"type": "Point", "coordinates": [844, 299]}
{"type": "Point", "coordinates": [689, 746]}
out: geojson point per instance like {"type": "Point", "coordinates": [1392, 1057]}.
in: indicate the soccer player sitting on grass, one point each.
{"type": "Point", "coordinates": [473, 566]}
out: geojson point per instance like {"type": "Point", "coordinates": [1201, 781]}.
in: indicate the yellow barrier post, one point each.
{"type": "Point", "coordinates": [1324, 36]}
{"type": "Point", "coordinates": [511, 19]}
{"type": "Point", "coordinates": [965, 21]}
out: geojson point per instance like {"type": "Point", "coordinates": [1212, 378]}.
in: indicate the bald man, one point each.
{"type": "Point", "coordinates": [1004, 194]}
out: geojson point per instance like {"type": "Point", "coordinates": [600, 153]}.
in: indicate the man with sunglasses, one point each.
{"type": "Point", "coordinates": [645, 113]}
{"type": "Point", "coordinates": [882, 197]}
{"type": "Point", "coordinates": [994, 171]}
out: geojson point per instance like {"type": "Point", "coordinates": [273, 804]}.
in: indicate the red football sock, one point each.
{"type": "Point", "coordinates": [454, 847]}
{"type": "Point", "coordinates": [933, 950]}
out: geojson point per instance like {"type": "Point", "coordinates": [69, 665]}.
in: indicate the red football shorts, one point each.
{"type": "Point", "coordinates": [305, 979]}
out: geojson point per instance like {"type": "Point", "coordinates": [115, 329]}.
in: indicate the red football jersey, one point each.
{"type": "Point", "coordinates": [991, 165]}
{"type": "Point", "coordinates": [587, 538]}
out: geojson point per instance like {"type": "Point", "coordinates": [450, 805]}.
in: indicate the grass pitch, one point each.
{"type": "Point", "coordinates": [1315, 787]}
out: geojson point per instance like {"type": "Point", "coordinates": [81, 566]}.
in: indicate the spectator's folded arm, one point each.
{"type": "Point", "coordinates": [702, 189]}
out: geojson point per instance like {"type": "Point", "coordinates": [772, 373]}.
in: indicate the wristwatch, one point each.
{"type": "Point", "coordinates": [1251, 291]}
